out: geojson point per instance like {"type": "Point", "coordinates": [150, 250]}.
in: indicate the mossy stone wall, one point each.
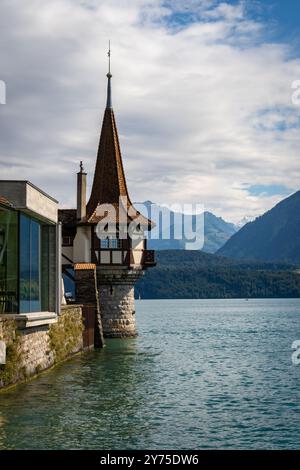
{"type": "Point", "coordinates": [32, 350]}
{"type": "Point", "coordinates": [66, 335]}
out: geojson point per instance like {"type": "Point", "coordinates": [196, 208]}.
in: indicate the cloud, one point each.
{"type": "Point", "coordinates": [202, 100]}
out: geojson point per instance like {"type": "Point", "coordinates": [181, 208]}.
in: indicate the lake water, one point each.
{"type": "Point", "coordinates": [202, 374]}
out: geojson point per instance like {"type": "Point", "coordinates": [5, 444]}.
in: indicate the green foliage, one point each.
{"type": "Point", "coordinates": [65, 335]}
{"type": "Point", "coordinates": [198, 275]}
{"type": "Point", "coordinates": [10, 372]}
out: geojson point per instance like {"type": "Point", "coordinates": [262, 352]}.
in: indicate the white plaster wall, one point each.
{"type": "Point", "coordinates": [68, 251]}
{"type": "Point", "coordinates": [137, 256]}
{"type": "Point", "coordinates": [117, 257]}
{"type": "Point", "coordinates": [105, 257]}
{"type": "Point", "coordinates": [29, 198]}
{"type": "Point", "coordinates": [40, 204]}
{"type": "Point", "coordinates": [82, 245]}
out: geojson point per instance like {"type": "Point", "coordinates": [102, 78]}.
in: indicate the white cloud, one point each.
{"type": "Point", "coordinates": [226, 11]}
{"type": "Point", "coordinates": [200, 108]}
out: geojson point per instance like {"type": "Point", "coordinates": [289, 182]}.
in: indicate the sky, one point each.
{"type": "Point", "coordinates": [202, 94]}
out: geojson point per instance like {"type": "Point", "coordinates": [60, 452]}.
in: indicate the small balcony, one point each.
{"type": "Point", "coordinates": [119, 257]}
{"type": "Point", "coordinates": [110, 257]}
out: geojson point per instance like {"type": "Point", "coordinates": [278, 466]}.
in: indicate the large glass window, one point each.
{"type": "Point", "coordinates": [8, 261]}
{"type": "Point", "coordinates": [48, 267]}
{"type": "Point", "coordinates": [30, 263]}
{"type": "Point", "coordinates": [27, 264]}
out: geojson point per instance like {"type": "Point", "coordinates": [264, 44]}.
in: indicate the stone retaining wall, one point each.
{"type": "Point", "coordinates": [34, 349]}
{"type": "Point", "coordinates": [87, 294]}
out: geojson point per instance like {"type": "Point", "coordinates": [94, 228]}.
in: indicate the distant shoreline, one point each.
{"type": "Point", "coordinates": [197, 275]}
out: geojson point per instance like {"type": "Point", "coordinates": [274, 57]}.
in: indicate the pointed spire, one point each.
{"type": "Point", "coordinates": [109, 76]}
{"type": "Point", "coordinates": [109, 184]}
{"type": "Point", "coordinates": [109, 178]}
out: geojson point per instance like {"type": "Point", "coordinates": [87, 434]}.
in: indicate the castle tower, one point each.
{"type": "Point", "coordinates": [109, 233]}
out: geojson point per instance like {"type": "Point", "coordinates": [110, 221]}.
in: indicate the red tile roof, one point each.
{"type": "Point", "coordinates": [109, 179]}
{"type": "Point", "coordinates": [117, 213]}
{"type": "Point", "coordinates": [84, 266]}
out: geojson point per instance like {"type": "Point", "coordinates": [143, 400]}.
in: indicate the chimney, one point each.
{"type": "Point", "coordinates": [81, 193]}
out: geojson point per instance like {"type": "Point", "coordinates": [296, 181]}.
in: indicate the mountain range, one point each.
{"type": "Point", "coordinates": [169, 223]}
{"type": "Point", "coordinates": [274, 236]}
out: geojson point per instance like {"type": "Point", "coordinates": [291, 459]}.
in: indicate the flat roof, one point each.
{"type": "Point", "coordinates": [32, 185]}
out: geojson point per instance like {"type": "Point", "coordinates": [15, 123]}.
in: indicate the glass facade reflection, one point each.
{"type": "Point", "coordinates": [8, 260]}
{"type": "Point", "coordinates": [48, 268]}
{"type": "Point", "coordinates": [30, 265]}
{"type": "Point", "coordinates": [27, 263]}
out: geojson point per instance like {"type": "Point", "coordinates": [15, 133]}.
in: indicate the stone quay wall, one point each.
{"type": "Point", "coordinates": [87, 294]}
{"type": "Point", "coordinates": [33, 349]}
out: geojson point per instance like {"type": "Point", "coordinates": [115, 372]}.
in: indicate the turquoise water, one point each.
{"type": "Point", "coordinates": [202, 374]}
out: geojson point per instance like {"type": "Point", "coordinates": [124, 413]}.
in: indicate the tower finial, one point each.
{"type": "Point", "coordinates": [108, 57]}
{"type": "Point", "coordinates": [109, 75]}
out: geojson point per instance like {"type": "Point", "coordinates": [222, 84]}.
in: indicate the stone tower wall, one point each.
{"type": "Point", "coordinates": [116, 296]}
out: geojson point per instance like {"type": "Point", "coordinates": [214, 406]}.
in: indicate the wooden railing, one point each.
{"type": "Point", "coordinates": [108, 257]}
{"type": "Point", "coordinates": [119, 257]}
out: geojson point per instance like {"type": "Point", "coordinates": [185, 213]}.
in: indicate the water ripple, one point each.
{"type": "Point", "coordinates": [202, 374]}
